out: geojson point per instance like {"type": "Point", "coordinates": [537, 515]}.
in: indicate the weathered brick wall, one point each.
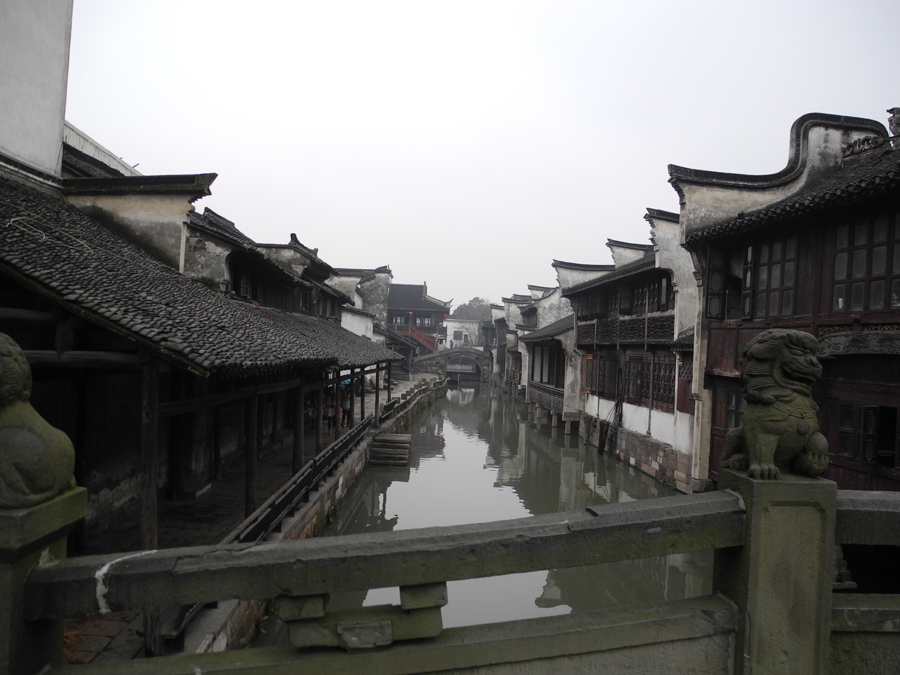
{"type": "Point", "coordinates": [656, 459]}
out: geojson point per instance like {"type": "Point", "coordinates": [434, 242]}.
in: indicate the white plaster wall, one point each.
{"type": "Point", "coordinates": [156, 223]}
{"type": "Point", "coordinates": [622, 255]}
{"type": "Point", "coordinates": [472, 327]}
{"type": "Point", "coordinates": [567, 277]}
{"type": "Point", "coordinates": [552, 308]}
{"type": "Point", "coordinates": [34, 69]}
{"type": "Point", "coordinates": [513, 314]}
{"type": "Point", "coordinates": [684, 433]}
{"type": "Point", "coordinates": [671, 256]}
{"type": "Point", "coordinates": [599, 408]}
{"type": "Point", "coordinates": [706, 205]}
{"type": "Point", "coordinates": [290, 259]}
{"type": "Point", "coordinates": [358, 324]}
{"type": "Point", "coordinates": [635, 418]}
{"type": "Point", "coordinates": [346, 284]}
{"type": "Point", "coordinates": [572, 383]}
{"type": "Point", "coordinates": [662, 427]}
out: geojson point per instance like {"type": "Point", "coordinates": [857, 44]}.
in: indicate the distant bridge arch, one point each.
{"type": "Point", "coordinates": [462, 362]}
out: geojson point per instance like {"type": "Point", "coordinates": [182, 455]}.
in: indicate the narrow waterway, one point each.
{"type": "Point", "coordinates": [475, 458]}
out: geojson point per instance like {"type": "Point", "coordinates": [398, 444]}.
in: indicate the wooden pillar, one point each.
{"type": "Point", "coordinates": [150, 481]}
{"type": "Point", "coordinates": [251, 416]}
{"type": "Point", "coordinates": [149, 460]}
{"type": "Point", "coordinates": [377, 391]}
{"type": "Point", "coordinates": [215, 415]}
{"type": "Point", "coordinates": [352, 399]}
{"type": "Point", "coordinates": [389, 383]}
{"type": "Point", "coordinates": [319, 411]}
{"type": "Point", "coordinates": [299, 431]}
{"type": "Point", "coordinates": [362, 392]}
{"type": "Point", "coordinates": [336, 398]}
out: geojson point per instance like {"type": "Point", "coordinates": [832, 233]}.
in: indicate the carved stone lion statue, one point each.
{"type": "Point", "coordinates": [36, 459]}
{"type": "Point", "coordinates": [780, 429]}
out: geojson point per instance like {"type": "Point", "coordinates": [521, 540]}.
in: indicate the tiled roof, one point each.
{"type": "Point", "coordinates": [856, 180]}
{"type": "Point", "coordinates": [193, 185]}
{"type": "Point", "coordinates": [554, 329]}
{"type": "Point", "coordinates": [685, 341]}
{"type": "Point", "coordinates": [212, 222]}
{"type": "Point", "coordinates": [629, 244]}
{"type": "Point", "coordinates": [583, 266]}
{"type": "Point", "coordinates": [62, 254]}
{"type": "Point", "coordinates": [659, 214]}
{"type": "Point", "coordinates": [411, 296]}
{"type": "Point", "coordinates": [646, 262]}
{"type": "Point", "coordinates": [311, 253]}
{"type": "Point", "coordinates": [362, 272]}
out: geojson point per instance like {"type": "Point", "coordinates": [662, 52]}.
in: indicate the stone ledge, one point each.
{"type": "Point", "coordinates": [692, 633]}
{"type": "Point", "coordinates": [23, 531]}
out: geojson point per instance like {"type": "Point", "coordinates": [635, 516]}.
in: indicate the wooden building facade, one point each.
{"type": "Point", "coordinates": [814, 248]}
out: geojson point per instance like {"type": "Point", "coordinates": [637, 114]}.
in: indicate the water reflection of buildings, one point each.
{"type": "Point", "coordinates": [553, 472]}
{"type": "Point", "coordinates": [548, 472]}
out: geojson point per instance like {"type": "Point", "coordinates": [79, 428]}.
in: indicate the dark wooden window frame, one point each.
{"type": "Point", "coordinates": [866, 264]}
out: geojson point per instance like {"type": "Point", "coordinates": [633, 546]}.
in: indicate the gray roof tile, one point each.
{"type": "Point", "coordinates": [50, 246]}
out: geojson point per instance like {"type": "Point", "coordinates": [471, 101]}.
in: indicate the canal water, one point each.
{"type": "Point", "coordinates": [475, 458]}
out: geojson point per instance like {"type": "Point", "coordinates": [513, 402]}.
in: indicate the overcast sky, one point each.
{"type": "Point", "coordinates": [466, 144]}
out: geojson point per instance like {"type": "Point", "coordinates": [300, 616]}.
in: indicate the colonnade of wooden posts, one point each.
{"type": "Point", "coordinates": [318, 383]}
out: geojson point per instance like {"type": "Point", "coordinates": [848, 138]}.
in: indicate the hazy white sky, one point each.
{"type": "Point", "coordinates": [466, 144]}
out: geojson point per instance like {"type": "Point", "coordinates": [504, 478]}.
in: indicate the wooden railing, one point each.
{"type": "Point", "coordinates": [273, 511]}
{"type": "Point", "coordinates": [546, 396]}
{"type": "Point", "coordinates": [416, 334]}
{"type": "Point", "coordinates": [277, 507]}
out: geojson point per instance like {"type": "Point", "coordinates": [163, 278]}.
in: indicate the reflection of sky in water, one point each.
{"type": "Point", "coordinates": [459, 490]}
{"type": "Point", "coordinates": [457, 487]}
{"type": "Point", "coordinates": [495, 466]}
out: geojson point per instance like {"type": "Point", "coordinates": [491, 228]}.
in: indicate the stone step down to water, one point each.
{"type": "Point", "coordinates": [390, 450]}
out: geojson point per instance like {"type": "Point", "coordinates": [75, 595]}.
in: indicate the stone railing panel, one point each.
{"type": "Point", "coordinates": [99, 584]}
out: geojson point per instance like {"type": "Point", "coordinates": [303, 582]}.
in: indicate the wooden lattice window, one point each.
{"type": "Point", "coordinates": [589, 372]}
{"type": "Point", "coordinates": [664, 382]}
{"type": "Point", "coordinates": [685, 379]}
{"type": "Point", "coordinates": [735, 405]}
{"type": "Point", "coordinates": [626, 294]}
{"type": "Point", "coordinates": [639, 300]}
{"type": "Point", "coordinates": [638, 379]}
{"type": "Point", "coordinates": [866, 265]}
{"type": "Point", "coordinates": [776, 275]}
{"type": "Point", "coordinates": [598, 374]}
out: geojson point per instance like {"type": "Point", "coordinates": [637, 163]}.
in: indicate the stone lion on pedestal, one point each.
{"type": "Point", "coordinates": [36, 459]}
{"type": "Point", "coordinates": [780, 429]}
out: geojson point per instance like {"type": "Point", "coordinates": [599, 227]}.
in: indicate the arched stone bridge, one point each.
{"type": "Point", "coordinates": [465, 362]}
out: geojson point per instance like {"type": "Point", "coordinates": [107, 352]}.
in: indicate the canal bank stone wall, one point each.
{"type": "Point", "coordinates": [655, 458]}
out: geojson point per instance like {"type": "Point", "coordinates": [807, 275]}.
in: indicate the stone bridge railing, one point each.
{"type": "Point", "coordinates": [438, 361]}
{"type": "Point", "coordinates": [772, 610]}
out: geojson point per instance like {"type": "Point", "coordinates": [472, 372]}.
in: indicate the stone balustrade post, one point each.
{"type": "Point", "coordinates": [28, 537]}
{"type": "Point", "coordinates": [781, 578]}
